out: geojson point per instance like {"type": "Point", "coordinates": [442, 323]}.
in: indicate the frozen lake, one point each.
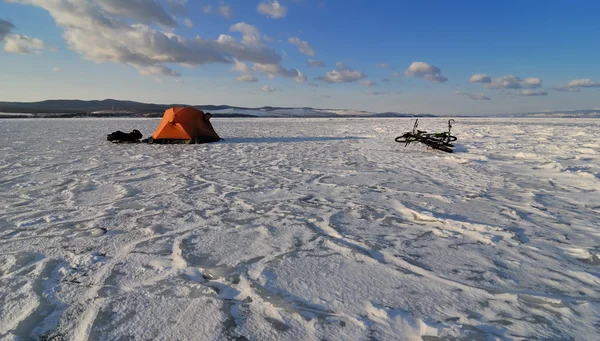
{"type": "Point", "coordinates": [300, 229]}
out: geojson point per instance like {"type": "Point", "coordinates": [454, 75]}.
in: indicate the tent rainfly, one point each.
{"type": "Point", "coordinates": [184, 125]}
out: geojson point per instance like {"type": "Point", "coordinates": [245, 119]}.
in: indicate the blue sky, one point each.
{"type": "Point", "coordinates": [459, 57]}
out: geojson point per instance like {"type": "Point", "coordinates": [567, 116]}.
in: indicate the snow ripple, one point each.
{"type": "Point", "coordinates": [301, 229]}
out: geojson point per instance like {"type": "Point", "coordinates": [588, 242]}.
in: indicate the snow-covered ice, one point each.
{"type": "Point", "coordinates": [300, 229]}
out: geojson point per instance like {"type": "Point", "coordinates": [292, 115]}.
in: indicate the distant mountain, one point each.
{"type": "Point", "coordinates": [584, 113]}
{"type": "Point", "coordinates": [118, 108]}
{"type": "Point", "coordinates": [78, 106]}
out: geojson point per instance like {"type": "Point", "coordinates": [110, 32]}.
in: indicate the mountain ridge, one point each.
{"type": "Point", "coordinates": [119, 108]}
{"type": "Point", "coordinates": [65, 108]}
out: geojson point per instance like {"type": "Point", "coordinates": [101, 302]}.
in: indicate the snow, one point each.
{"type": "Point", "coordinates": [300, 229]}
{"type": "Point", "coordinates": [293, 112]}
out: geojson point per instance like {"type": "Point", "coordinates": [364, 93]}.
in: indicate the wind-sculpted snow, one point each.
{"type": "Point", "coordinates": [300, 229]}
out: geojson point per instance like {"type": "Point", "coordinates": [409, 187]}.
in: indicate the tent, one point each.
{"type": "Point", "coordinates": [184, 125]}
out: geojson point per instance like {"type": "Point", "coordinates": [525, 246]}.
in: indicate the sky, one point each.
{"type": "Point", "coordinates": [439, 57]}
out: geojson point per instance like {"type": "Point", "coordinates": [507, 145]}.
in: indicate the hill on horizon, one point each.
{"type": "Point", "coordinates": [113, 108]}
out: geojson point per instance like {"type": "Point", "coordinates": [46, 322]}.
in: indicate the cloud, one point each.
{"type": "Point", "coordinates": [342, 74]}
{"type": "Point", "coordinates": [383, 93]}
{"type": "Point", "coordinates": [146, 11]}
{"type": "Point", "coordinates": [272, 9]}
{"type": "Point", "coordinates": [367, 83]}
{"type": "Point", "coordinates": [385, 66]}
{"type": "Point", "coordinates": [513, 82]}
{"type": "Point", "coordinates": [396, 75]}
{"type": "Point", "coordinates": [267, 88]}
{"type": "Point", "coordinates": [176, 7]}
{"type": "Point", "coordinates": [188, 23]}
{"type": "Point", "coordinates": [532, 93]}
{"type": "Point", "coordinates": [583, 83]}
{"type": "Point", "coordinates": [22, 44]}
{"type": "Point", "coordinates": [506, 82]}
{"type": "Point", "coordinates": [273, 70]}
{"type": "Point", "coordinates": [385, 80]}
{"type": "Point", "coordinates": [532, 83]}
{"type": "Point", "coordinates": [250, 33]}
{"type": "Point", "coordinates": [303, 46]}
{"type": "Point", "coordinates": [156, 70]}
{"type": "Point", "coordinates": [207, 9]}
{"type": "Point", "coordinates": [226, 11]}
{"type": "Point", "coordinates": [313, 84]}
{"type": "Point", "coordinates": [242, 67]}
{"type": "Point", "coordinates": [57, 69]}
{"type": "Point", "coordinates": [576, 84]}
{"type": "Point", "coordinates": [301, 78]}
{"type": "Point", "coordinates": [247, 78]}
{"type": "Point", "coordinates": [426, 71]}
{"type": "Point", "coordinates": [128, 32]}
{"type": "Point", "coordinates": [566, 89]}
{"type": "Point", "coordinates": [480, 78]}
{"type": "Point", "coordinates": [5, 28]}
{"type": "Point", "coordinates": [477, 97]}
{"type": "Point", "coordinates": [315, 63]}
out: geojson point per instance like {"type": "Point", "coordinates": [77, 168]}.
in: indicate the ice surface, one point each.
{"type": "Point", "coordinates": [300, 229]}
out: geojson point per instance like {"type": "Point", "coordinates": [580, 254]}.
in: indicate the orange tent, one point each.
{"type": "Point", "coordinates": [185, 124]}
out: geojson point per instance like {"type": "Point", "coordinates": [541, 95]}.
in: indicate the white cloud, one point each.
{"type": "Point", "coordinates": [532, 83]}
{"type": "Point", "coordinates": [566, 89]}
{"type": "Point", "coordinates": [513, 82]}
{"type": "Point", "coordinates": [226, 11]}
{"type": "Point", "coordinates": [303, 46]}
{"type": "Point", "coordinates": [146, 11]}
{"type": "Point", "coordinates": [480, 78]}
{"type": "Point", "coordinates": [57, 69]}
{"type": "Point", "coordinates": [242, 67]}
{"type": "Point", "coordinates": [477, 97]}
{"type": "Point", "coordinates": [156, 70]}
{"type": "Point", "coordinates": [576, 84]}
{"type": "Point", "coordinates": [342, 74]}
{"type": "Point", "coordinates": [426, 71]}
{"type": "Point", "coordinates": [506, 82]}
{"type": "Point", "coordinates": [267, 88]}
{"type": "Point", "coordinates": [125, 32]}
{"type": "Point", "coordinates": [301, 78]}
{"type": "Point", "coordinates": [5, 28]}
{"type": "Point", "coordinates": [532, 93]}
{"type": "Point", "coordinates": [315, 63]}
{"type": "Point", "coordinates": [382, 93]}
{"type": "Point", "coordinates": [188, 23]}
{"type": "Point", "coordinates": [396, 74]}
{"type": "Point", "coordinates": [207, 9]}
{"type": "Point", "coordinates": [22, 44]}
{"type": "Point", "coordinates": [272, 9]}
{"type": "Point", "coordinates": [583, 83]}
{"type": "Point", "coordinates": [385, 66]}
{"type": "Point", "coordinates": [367, 83]}
{"type": "Point", "coordinates": [313, 84]}
{"type": "Point", "coordinates": [273, 70]}
{"type": "Point", "coordinates": [247, 78]}
{"type": "Point", "coordinates": [250, 33]}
